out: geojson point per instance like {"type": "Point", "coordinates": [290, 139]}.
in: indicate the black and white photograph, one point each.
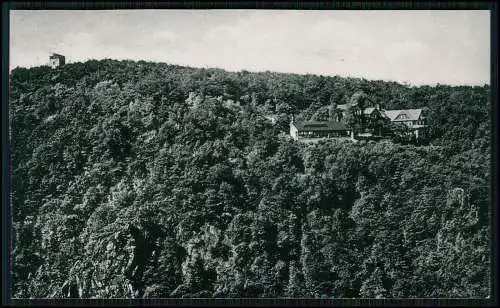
{"type": "Point", "coordinates": [250, 153]}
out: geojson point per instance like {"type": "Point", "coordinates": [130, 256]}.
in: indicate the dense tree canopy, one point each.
{"type": "Point", "coordinates": [138, 179]}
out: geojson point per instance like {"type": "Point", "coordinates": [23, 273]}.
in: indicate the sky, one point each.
{"type": "Point", "coordinates": [415, 47]}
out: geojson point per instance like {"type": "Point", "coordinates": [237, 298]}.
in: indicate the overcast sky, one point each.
{"type": "Point", "coordinates": [417, 47]}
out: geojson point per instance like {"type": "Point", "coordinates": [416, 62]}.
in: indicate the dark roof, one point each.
{"type": "Point", "coordinates": [320, 126]}
{"type": "Point", "coordinates": [369, 110]}
{"type": "Point", "coordinates": [56, 55]}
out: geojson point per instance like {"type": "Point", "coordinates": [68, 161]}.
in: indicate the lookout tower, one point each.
{"type": "Point", "coordinates": [56, 60]}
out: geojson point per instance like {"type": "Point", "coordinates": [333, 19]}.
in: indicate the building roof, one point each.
{"type": "Point", "coordinates": [56, 55]}
{"type": "Point", "coordinates": [393, 115]}
{"type": "Point", "coordinates": [403, 114]}
{"type": "Point", "coordinates": [271, 117]}
{"type": "Point", "coordinates": [342, 107]}
{"type": "Point", "coordinates": [369, 110]}
{"type": "Point", "coordinates": [320, 126]}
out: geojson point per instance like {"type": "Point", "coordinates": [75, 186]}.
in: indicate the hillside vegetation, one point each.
{"type": "Point", "coordinates": [137, 179]}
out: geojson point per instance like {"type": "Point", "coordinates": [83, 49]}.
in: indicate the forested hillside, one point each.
{"type": "Point", "coordinates": [138, 179]}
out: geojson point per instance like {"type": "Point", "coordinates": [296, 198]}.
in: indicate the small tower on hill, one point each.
{"type": "Point", "coordinates": [56, 60]}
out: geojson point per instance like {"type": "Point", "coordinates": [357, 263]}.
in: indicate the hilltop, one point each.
{"type": "Point", "coordinates": [140, 179]}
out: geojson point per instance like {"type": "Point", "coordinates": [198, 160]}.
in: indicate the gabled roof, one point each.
{"type": "Point", "coordinates": [270, 117]}
{"type": "Point", "coordinates": [403, 114]}
{"type": "Point", "coordinates": [320, 126]}
{"type": "Point", "coordinates": [342, 107]}
{"type": "Point", "coordinates": [393, 115]}
{"type": "Point", "coordinates": [369, 110]}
